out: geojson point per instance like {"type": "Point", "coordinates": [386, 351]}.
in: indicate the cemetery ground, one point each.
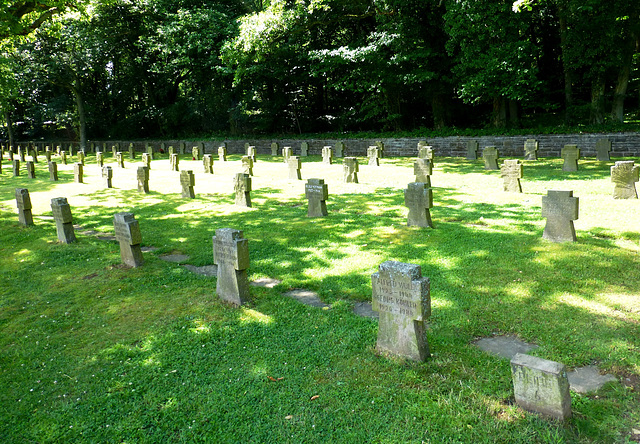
{"type": "Point", "coordinates": [93, 351]}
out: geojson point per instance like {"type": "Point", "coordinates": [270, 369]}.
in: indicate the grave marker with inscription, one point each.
{"type": "Point", "coordinates": [418, 197]}
{"type": "Point", "coordinates": [107, 175]}
{"type": "Point", "coordinates": [81, 157]}
{"type": "Point", "coordinates": [16, 167]}
{"type": "Point", "coordinates": [132, 152]}
{"type": "Point", "coordinates": [327, 155]}
{"type": "Point", "coordinates": [171, 150]}
{"type": "Point", "coordinates": [174, 162]}
{"type": "Point", "coordinates": [561, 209]}
{"type": "Point", "coordinates": [146, 160]}
{"type": "Point", "coordinates": [120, 159]}
{"type": "Point", "coordinates": [207, 163]}
{"type": "Point", "coordinates": [187, 181]}
{"type": "Point", "coordinates": [624, 175]}
{"type": "Point", "coordinates": [63, 157]}
{"type": "Point", "coordinates": [402, 298]}
{"type": "Point", "coordinates": [31, 169]}
{"type": "Point", "coordinates": [472, 149]}
{"type": "Point", "coordinates": [304, 149]}
{"type": "Point", "coordinates": [195, 153]}
{"type": "Point", "coordinates": [603, 147]}
{"type": "Point", "coordinates": [341, 149]}
{"type": "Point", "coordinates": [47, 154]}
{"type": "Point", "coordinates": [423, 168]}
{"type": "Point", "coordinates": [531, 149]}
{"type": "Point", "coordinates": [425, 151]}
{"type": "Point", "coordinates": [541, 386]}
{"type": "Point", "coordinates": [23, 202]}
{"type": "Point", "coordinates": [247, 165]}
{"type": "Point", "coordinates": [511, 173]}
{"type": "Point", "coordinates": [78, 173]}
{"type": "Point", "coordinates": [373, 154]}
{"type": "Point", "coordinates": [222, 153]}
{"type": "Point", "coordinates": [242, 188]}
{"type": "Point", "coordinates": [286, 153]}
{"type": "Point", "coordinates": [490, 157]}
{"type": "Point", "coordinates": [275, 148]}
{"type": "Point", "coordinates": [182, 148]}
{"type": "Point", "coordinates": [231, 255]}
{"type": "Point", "coordinates": [64, 221]}
{"type": "Point", "coordinates": [380, 146]}
{"type": "Point", "coordinates": [100, 158]}
{"type": "Point", "coordinates": [570, 154]}
{"type": "Point", "coordinates": [317, 193]}
{"type": "Point", "coordinates": [143, 179]}
{"type": "Point", "coordinates": [350, 170]}
{"type": "Point", "coordinates": [53, 171]}
{"type": "Point", "coordinates": [127, 231]}
{"type": "Point", "coordinates": [150, 151]}
{"type": "Point", "coordinates": [251, 153]}
{"type": "Point", "coordinates": [294, 165]}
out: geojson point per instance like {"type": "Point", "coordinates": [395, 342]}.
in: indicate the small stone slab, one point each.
{"type": "Point", "coordinates": [205, 270]}
{"type": "Point", "coordinates": [364, 310]}
{"type": "Point", "coordinates": [588, 379]}
{"type": "Point", "coordinates": [148, 249]}
{"type": "Point", "coordinates": [307, 297]}
{"type": "Point", "coordinates": [265, 282]}
{"type": "Point", "coordinates": [176, 258]}
{"type": "Point", "coordinates": [504, 346]}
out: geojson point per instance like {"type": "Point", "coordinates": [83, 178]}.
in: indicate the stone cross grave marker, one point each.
{"type": "Point", "coordinates": [187, 180]}
{"type": "Point", "coordinates": [120, 159]}
{"type": "Point", "coordinates": [174, 162]}
{"type": "Point", "coordinates": [22, 154]}
{"type": "Point", "coordinates": [195, 153]}
{"type": "Point", "coordinates": [146, 160]}
{"type": "Point", "coordinates": [242, 188]}
{"type": "Point", "coordinates": [64, 221]}
{"type": "Point", "coordinates": [624, 175]}
{"type": "Point", "coordinates": [402, 298]}
{"type": "Point", "coordinates": [222, 153]}
{"type": "Point", "coordinates": [132, 152]}
{"type": "Point", "coordinates": [207, 163]}
{"type": "Point", "coordinates": [78, 173]}
{"type": "Point", "coordinates": [16, 167]}
{"type": "Point", "coordinates": [275, 148]}
{"type": "Point", "coordinates": [423, 168]}
{"type": "Point", "coordinates": [380, 146]}
{"type": "Point", "coordinates": [31, 170]}
{"type": "Point", "coordinates": [251, 152]}
{"type": "Point", "coordinates": [418, 197]}
{"type": "Point", "coordinates": [127, 232]}
{"type": "Point", "coordinates": [231, 255]}
{"type": "Point", "coordinates": [247, 165]}
{"type": "Point", "coordinates": [53, 171]}
{"type": "Point", "coordinates": [107, 176]}
{"type": "Point", "coordinates": [150, 151]}
{"type": "Point", "coordinates": [114, 150]}
{"type": "Point", "coordinates": [294, 165]}
{"type": "Point", "coordinates": [561, 209]}
{"type": "Point", "coordinates": [143, 179]}
{"type": "Point", "coordinates": [472, 149]}
{"type": "Point", "coordinates": [100, 158]}
{"type": "Point", "coordinates": [81, 157]}
{"type": "Point", "coordinates": [350, 170]}
{"type": "Point", "coordinates": [304, 149]}
{"type": "Point", "coordinates": [23, 202]}
{"type": "Point", "coordinates": [603, 147]}
{"type": "Point", "coordinates": [341, 149]}
{"type": "Point", "coordinates": [34, 155]}
{"type": "Point", "coordinates": [570, 154]}
{"type": "Point", "coordinates": [541, 386]}
{"type": "Point", "coordinates": [182, 148]}
{"type": "Point", "coordinates": [327, 155]}
{"type": "Point", "coordinates": [490, 157]}
{"type": "Point", "coordinates": [511, 173]}
{"type": "Point", "coordinates": [171, 150]}
{"type": "Point", "coordinates": [286, 153]}
{"type": "Point", "coordinates": [70, 152]}
{"type": "Point", "coordinates": [47, 154]}
{"type": "Point", "coordinates": [531, 149]}
{"type": "Point", "coordinates": [63, 157]}
{"type": "Point", "coordinates": [425, 151]}
{"type": "Point", "coordinates": [373, 154]}
{"type": "Point", "coordinates": [317, 193]}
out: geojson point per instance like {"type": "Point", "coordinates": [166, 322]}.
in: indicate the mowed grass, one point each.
{"type": "Point", "coordinates": [91, 351]}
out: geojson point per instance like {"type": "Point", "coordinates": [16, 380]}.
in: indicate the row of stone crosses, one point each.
{"type": "Point", "coordinates": [399, 292]}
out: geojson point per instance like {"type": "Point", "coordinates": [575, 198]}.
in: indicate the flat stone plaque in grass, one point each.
{"type": "Point", "coordinates": [401, 296]}
{"type": "Point", "coordinates": [307, 297]}
{"type": "Point", "coordinates": [504, 346]}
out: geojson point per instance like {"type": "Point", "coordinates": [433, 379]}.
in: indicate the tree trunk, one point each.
{"type": "Point", "coordinates": [617, 108]}
{"type": "Point", "coordinates": [9, 121]}
{"type": "Point", "coordinates": [499, 112]}
{"type": "Point", "coordinates": [82, 118]}
{"type": "Point", "coordinates": [597, 100]}
{"type": "Point", "coordinates": [568, 78]}
{"type": "Point", "coordinates": [514, 114]}
{"type": "Point", "coordinates": [439, 110]}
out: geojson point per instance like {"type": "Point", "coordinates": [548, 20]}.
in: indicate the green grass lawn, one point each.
{"type": "Point", "coordinates": [91, 351]}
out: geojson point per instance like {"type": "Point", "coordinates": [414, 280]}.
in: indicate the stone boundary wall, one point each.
{"type": "Point", "coordinates": [623, 145]}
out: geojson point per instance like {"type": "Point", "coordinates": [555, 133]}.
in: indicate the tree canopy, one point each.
{"type": "Point", "coordinates": [160, 68]}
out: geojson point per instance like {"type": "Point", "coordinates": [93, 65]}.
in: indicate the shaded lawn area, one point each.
{"type": "Point", "coordinates": [91, 351]}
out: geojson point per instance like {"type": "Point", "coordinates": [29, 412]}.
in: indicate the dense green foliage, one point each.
{"type": "Point", "coordinates": [163, 68]}
{"type": "Point", "coordinates": [92, 352]}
